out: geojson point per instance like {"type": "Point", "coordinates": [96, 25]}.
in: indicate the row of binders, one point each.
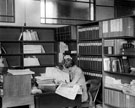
{"type": "Point", "coordinates": [90, 63]}
{"type": "Point", "coordinates": [91, 48]}
{"type": "Point", "coordinates": [118, 99]}
{"type": "Point", "coordinates": [117, 27]}
{"type": "Point", "coordinates": [1, 85]}
{"type": "Point", "coordinates": [93, 74]}
{"type": "Point", "coordinates": [88, 33]}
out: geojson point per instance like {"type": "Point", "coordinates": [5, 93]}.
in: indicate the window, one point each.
{"type": "Point", "coordinates": [7, 11]}
{"type": "Point", "coordinates": [67, 11]}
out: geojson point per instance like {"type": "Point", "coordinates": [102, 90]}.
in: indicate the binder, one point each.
{"type": "Point", "coordinates": [115, 65]}
{"type": "Point", "coordinates": [107, 63]}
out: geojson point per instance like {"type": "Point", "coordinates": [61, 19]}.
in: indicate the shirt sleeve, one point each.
{"type": "Point", "coordinates": [77, 76]}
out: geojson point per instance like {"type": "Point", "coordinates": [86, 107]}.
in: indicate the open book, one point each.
{"type": "Point", "coordinates": [69, 92]}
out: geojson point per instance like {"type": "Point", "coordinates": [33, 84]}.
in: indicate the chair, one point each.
{"type": "Point", "coordinates": [93, 87]}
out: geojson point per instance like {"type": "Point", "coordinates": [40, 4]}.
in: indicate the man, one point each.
{"type": "Point", "coordinates": [76, 76]}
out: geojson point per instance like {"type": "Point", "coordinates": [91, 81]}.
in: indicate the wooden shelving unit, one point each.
{"type": "Point", "coordinates": [118, 76]}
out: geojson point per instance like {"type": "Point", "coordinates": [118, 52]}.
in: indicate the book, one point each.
{"type": "Point", "coordinates": [115, 65]}
{"type": "Point", "coordinates": [107, 63]}
{"type": "Point", "coordinates": [34, 35]}
{"type": "Point", "coordinates": [125, 64]}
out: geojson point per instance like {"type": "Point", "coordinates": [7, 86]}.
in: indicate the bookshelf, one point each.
{"type": "Point", "coordinates": [118, 62]}
{"type": "Point", "coordinates": [68, 35]}
{"type": "Point", "coordinates": [89, 49]}
{"type": "Point", "coordinates": [89, 52]}
{"type": "Point", "coordinates": [19, 50]}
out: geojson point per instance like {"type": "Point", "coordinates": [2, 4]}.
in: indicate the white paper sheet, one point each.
{"type": "Point", "coordinates": [69, 92]}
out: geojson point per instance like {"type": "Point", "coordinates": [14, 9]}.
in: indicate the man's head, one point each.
{"type": "Point", "coordinates": [68, 62]}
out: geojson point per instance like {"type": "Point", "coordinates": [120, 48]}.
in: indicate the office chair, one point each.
{"type": "Point", "coordinates": [93, 87]}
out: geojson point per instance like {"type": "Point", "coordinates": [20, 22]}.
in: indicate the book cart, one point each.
{"type": "Point", "coordinates": [118, 37]}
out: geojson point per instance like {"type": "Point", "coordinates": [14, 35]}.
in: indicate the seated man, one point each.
{"type": "Point", "coordinates": [76, 76]}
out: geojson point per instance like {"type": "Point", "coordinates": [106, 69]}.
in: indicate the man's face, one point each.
{"type": "Point", "coordinates": [68, 63]}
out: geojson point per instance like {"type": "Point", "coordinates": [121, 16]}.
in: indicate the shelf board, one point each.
{"type": "Point", "coordinates": [41, 66]}
{"type": "Point", "coordinates": [39, 54]}
{"type": "Point", "coordinates": [118, 55]}
{"type": "Point", "coordinates": [68, 41]}
{"type": "Point", "coordinates": [119, 37]}
{"type": "Point", "coordinates": [27, 41]}
{"type": "Point", "coordinates": [10, 41]}
{"type": "Point", "coordinates": [86, 55]}
{"type": "Point", "coordinates": [121, 74]}
{"type": "Point", "coordinates": [28, 54]}
{"type": "Point", "coordinates": [115, 89]}
{"type": "Point", "coordinates": [38, 41]}
{"type": "Point", "coordinates": [93, 71]}
{"type": "Point", "coordinates": [89, 40]}
{"type": "Point", "coordinates": [111, 105]}
{"type": "Point", "coordinates": [11, 54]}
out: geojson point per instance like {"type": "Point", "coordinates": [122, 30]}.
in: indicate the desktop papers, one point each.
{"type": "Point", "coordinates": [57, 74]}
{"type": "Point", "coordinates": [69, 92]}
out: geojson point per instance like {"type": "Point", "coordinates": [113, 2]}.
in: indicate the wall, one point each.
{"type": "Point", "coordinates": [32, 10]}
{"type": "Point", "coordinates": [124, 8]}
{"type": "Point", "coordinates": [19, 8]}
{"type": "Point", "coordinates": [104, 9]}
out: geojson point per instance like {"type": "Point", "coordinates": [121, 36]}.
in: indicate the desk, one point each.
{"type": "Point", "coordinates": [52, 100]}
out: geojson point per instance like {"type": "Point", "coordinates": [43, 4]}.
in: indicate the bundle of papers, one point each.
{"type": "Point", "coordinates": [20, 71]}
{"type": "Point", "coordinates": [66, 91]}
{"type": "Point", "coordinates": [57, 74]}
{"type": "Point", "coordinates": [31, 61]}
{"type": "Point", "coordinates": [33, 49]}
